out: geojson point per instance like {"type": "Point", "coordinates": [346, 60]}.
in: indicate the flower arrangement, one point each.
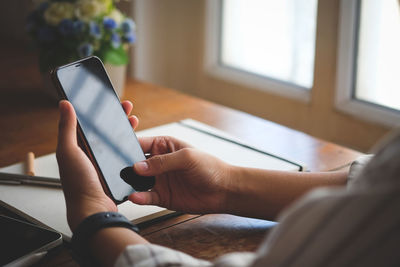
{"type": "Point", "coordinates": [67, 30]}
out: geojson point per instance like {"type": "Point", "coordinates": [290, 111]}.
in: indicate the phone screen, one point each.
{"type": "Point", "coordinates": [105, 126]}
{"type": "Point", "coordinates": [18, 239]}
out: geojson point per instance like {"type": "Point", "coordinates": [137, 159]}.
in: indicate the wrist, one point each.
{"type": "Point", "coordinates": [234, 189]}
{"type": "Point", "coordinates": [108, 243]}
{"type": "Point", "coordinates": [102, 233]}
{"type": "Point", "coordinates": [75, 217]}
{"type": "Point", "coordinates": [78, 213]}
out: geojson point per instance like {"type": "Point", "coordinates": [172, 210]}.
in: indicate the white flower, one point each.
{"type": "Point", "coordinates": [58, 11]}
{"type": "Point", "coordinates": [116, 15]}
{"type": "Point", "coordinates": [88, 9]}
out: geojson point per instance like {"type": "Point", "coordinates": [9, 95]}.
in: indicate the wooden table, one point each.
{"type": "Point", "coordinates": [28, 122]}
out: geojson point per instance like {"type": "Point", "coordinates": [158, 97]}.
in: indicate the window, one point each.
{"type": "Point", "coordinates": [378, 58]}
{"type": "Point", "coordinates": [265, 43]}
{"type": "Point", "coordinates": [369, 60]}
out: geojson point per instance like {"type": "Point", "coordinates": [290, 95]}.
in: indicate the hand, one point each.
{"type": "Point", "coordinates": [83, 192]}
{"type": "Point", "coordinates": [187, 179]}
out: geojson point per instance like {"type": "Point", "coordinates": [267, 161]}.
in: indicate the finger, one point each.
{"type": "Point", "coordinates": [134, 121]}
{"type": "Point", "coordinates": [160, 164]}
{"type": "Point", "coordinates": [146, 143]}
{"type": "Point", "coordinates": [67, 125]}
{"type": "Point", "coordinates": [161, 144]}
{"type": "Point", "coordinates": [145, 198]}
{"type": "Point", "coordinates": [127, 106]}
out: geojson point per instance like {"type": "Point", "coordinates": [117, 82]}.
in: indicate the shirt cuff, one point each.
{"type": "Point", "coordinates": [148, 255]}
{"type": "Point", "coordinates": [356, 168]}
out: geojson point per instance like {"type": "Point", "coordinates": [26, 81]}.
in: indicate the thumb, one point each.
{"type": "Point", "coordinates": [160, 164]}
{"type": "Point", "coordinates": [67, 125]}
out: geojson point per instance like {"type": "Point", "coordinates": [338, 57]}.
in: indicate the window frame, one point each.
{"type": "Point", "coordinates": [213, 66]}
{"type": "Point", "coordinates": [345, 101]}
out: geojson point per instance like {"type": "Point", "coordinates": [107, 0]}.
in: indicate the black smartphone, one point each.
{"type": "Point", "coordinates": [103, 127]}
{"type": "Point", "coordinates": [21, 241]}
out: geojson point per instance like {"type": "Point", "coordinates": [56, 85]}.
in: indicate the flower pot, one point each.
{"type": "Point", "coordinates": [117, 76]}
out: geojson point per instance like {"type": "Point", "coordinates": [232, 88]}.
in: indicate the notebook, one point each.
{"type": "Point", "coordinates": [45, 206]}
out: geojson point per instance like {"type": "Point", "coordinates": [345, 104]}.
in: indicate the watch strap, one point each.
{"type": "Point", "coordinates": [89, 226]}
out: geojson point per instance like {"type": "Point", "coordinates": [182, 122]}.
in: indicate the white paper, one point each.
{"type": "Point", "coordinates": [227, 151]}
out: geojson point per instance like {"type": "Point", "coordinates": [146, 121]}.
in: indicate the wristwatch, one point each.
{"type": "Point", "coordinates": [89, 226]}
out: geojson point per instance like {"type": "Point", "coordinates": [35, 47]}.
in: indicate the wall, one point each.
{"type": "Point", "coordinates": [170, 52]}
{"type": "Point", "coordinates": [13, 15]}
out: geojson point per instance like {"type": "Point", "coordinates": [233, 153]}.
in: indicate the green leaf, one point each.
{"type": "Point", "coordinates": [115, 56]}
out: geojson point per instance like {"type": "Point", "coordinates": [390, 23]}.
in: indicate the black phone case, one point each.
{"type": "Point", "coordinates": [137, 182]}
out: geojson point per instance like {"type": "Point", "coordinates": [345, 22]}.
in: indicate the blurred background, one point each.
{"type": "Point", "coordinates": [329, 68]}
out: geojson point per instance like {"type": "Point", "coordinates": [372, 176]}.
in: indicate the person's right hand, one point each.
{"type": "Point", "coordinates": [187, 179]}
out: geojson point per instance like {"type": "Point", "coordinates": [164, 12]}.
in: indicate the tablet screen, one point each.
{"type": "Point", "coordinates": [19, 238]}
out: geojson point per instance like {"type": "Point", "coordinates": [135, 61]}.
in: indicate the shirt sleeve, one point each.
{"type": "Point", "coordinates": [149, 255]}
{"type": "Point", "coordinates": [356, 168]}
{"type": "Point", "coordinates": [327, 227]}
{"type": "Point", "coordinates": [297, 226]}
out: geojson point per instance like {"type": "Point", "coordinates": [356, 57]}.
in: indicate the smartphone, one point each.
{"type": "Point", "coordinates": [104, 130]}
{"type": "Point", "coordinates": [21, 241]}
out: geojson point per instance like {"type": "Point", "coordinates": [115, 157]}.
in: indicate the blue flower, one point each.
{"type": "Point", "coordinates": [115, 40]}
{"type": "Point", "coordinates": [46, 34]}
{"type": "Point", "coordinates": [128, 26]}
{"type": "Point", "coordinates": [78, 26]}
{"type": "Point", "coordinates": [109, 23]}
{"type": "Point", "coordinates": [66, 27]}
{"type": "Point", "coordinates": [85, 50]}
{"type": "Point", "coordinates": [130, 38]}
{"type": "Point", "coordinates": [94, 30]}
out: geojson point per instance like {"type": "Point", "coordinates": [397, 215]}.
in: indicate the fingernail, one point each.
{"type": "Point", "coordinates": [61, 107]}
{"type": "Point", "coordinates": [60, 103]}
{"type": "Point", "coordinates": [141, 166]}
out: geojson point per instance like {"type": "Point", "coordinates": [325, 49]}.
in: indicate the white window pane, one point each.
{"type": "Point", "coordinates": [270, 38]}
{"type": "Point", "coordinates": [378, 60]}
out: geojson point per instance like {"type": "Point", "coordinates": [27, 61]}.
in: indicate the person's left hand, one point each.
{"type": "Point", "coordinates": [83, 192]}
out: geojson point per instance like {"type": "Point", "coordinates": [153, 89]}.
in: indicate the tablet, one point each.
{"type": "Point", "coordinates": [21, 241]}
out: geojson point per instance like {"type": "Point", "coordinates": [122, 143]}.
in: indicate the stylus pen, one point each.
{"type": "Point", "coordinates": [12, 178]}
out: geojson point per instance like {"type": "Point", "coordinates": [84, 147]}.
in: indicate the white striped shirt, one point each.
{"type": "Point", "coordinates": [356, 226]}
